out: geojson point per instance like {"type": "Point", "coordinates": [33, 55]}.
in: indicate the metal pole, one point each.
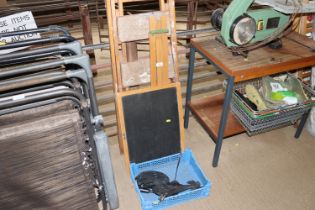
{"type": "Point", "coordinates": [189, 84]}
{"type": "Point", "coordinates": [301, 125]}
{"type": "Point", "coordinates": [132, 52]}
{"type": "Point", "coordinates": [87, 29]}
{"type": "Point", "coordinates": [223, 121]}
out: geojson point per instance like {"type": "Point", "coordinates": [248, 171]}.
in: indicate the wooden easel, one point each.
{"type": "Point", "coordinates": [138, 75]}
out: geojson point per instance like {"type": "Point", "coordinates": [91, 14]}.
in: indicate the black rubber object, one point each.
{"type": "Point", "coordinates": [275, 44]}
{"type": "Point", "coordinates": [158, 183]}
{"type": "Point", "coordinates": [152, 124]}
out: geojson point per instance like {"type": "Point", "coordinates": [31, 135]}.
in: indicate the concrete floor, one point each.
{"type": "Point", "coordinates": [268, 171]}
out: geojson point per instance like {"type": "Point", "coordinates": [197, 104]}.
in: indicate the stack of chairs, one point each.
{"type": "Point", "coordinates": [54, 153]}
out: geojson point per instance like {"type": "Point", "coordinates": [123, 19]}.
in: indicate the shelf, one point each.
{"type": "Point", "coordinates": [208, 112]}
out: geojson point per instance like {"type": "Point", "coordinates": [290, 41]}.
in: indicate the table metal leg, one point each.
{"type": "Point", "coordinates": [224, 116]}
{"type": "Point", "coordinates": [301, 125]}
{"type": "Point", "coordinates": [189, 84]}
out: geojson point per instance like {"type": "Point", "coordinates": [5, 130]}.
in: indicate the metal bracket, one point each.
{"type": "Point", "coordinates": [98, 120]}
{"type": "Point", "coordinates": [83, 61]}
{"type": "Point", "coordinates": [80, 73]}
{"type": "Point", "coordinates": [73, 46]}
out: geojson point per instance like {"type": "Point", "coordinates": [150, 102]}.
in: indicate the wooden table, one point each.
{"type": "Point", "coordinates": [213, 112]}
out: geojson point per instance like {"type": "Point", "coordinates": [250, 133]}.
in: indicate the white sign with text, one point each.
{"type": "Point", "coordinates": [17, 22]}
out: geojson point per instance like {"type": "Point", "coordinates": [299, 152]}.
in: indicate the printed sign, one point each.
{"type": "Point", "coordinates": [17, 22]}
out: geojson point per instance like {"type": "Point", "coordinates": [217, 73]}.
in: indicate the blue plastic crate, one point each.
{"type": "Point", "coordinates": [187, 170]}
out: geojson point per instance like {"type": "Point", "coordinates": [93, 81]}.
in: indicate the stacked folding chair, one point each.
{"type": "Point", "coordinates": [53, 151]}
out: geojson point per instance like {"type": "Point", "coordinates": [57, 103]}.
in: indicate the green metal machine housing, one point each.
{"type": "Point", "coordinates": [251, 25]}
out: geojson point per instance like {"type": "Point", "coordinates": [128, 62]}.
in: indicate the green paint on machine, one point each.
{"type": "Point", "coordinates": [241, 25]}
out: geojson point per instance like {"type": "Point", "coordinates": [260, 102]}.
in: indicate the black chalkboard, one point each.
{"type": "Point", "coordinates": [152, 124]}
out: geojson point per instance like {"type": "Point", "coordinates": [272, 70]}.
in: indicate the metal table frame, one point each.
{"type": "Point", "coordinates": [226, 104]}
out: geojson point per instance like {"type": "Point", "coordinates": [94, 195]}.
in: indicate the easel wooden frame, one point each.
{"type": "Point", "coordinates": [118, 52]}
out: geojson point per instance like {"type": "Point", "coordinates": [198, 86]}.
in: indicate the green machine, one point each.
{"type": "Point", "coordinates": [241, 25]}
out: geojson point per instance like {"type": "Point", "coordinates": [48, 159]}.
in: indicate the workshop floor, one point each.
{"type": "Point", "coordinates": [268, 171]}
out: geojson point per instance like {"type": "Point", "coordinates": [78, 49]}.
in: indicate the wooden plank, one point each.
{"type": "Point", "coordinates": [116, 45]}
{"type": "Point", "coordinates": [304, 40]}
{"type": "Point", "coordinates": [118, 58]}
{"type": "Point", "coordinates": [159, 52]}
{"type": "Point", "coordinates": [145, 89]}
{"type": "Point", "coordinates": [135, 27]}
{"type": "Point", "coordinates": [208, 112]}
{"type": "Point", "coordinates": [152, 43]}
{"type": "Point", "coordinates": [136, 72]}
{"type": "Point", "coordinates": [120, 54]}
{"type": "Point", "coordinates": [164, 51]}
{"type": "Point", "coordinates": [113, 60]}
{"type": "Point", "coordinates": [111, 14]}
{"type": "Point", "coordinates": [123, 45]}
{"type": "Point", "coordinates": [159, 62]}
{"type": "Point", "coordinates": [111, 42]}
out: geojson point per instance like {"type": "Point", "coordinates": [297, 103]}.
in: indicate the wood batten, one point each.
{"type": "Point", "coordinates": [136, 27]}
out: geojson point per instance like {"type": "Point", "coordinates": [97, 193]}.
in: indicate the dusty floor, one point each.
{"type": "Point", "coordinates": [268, 171]}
